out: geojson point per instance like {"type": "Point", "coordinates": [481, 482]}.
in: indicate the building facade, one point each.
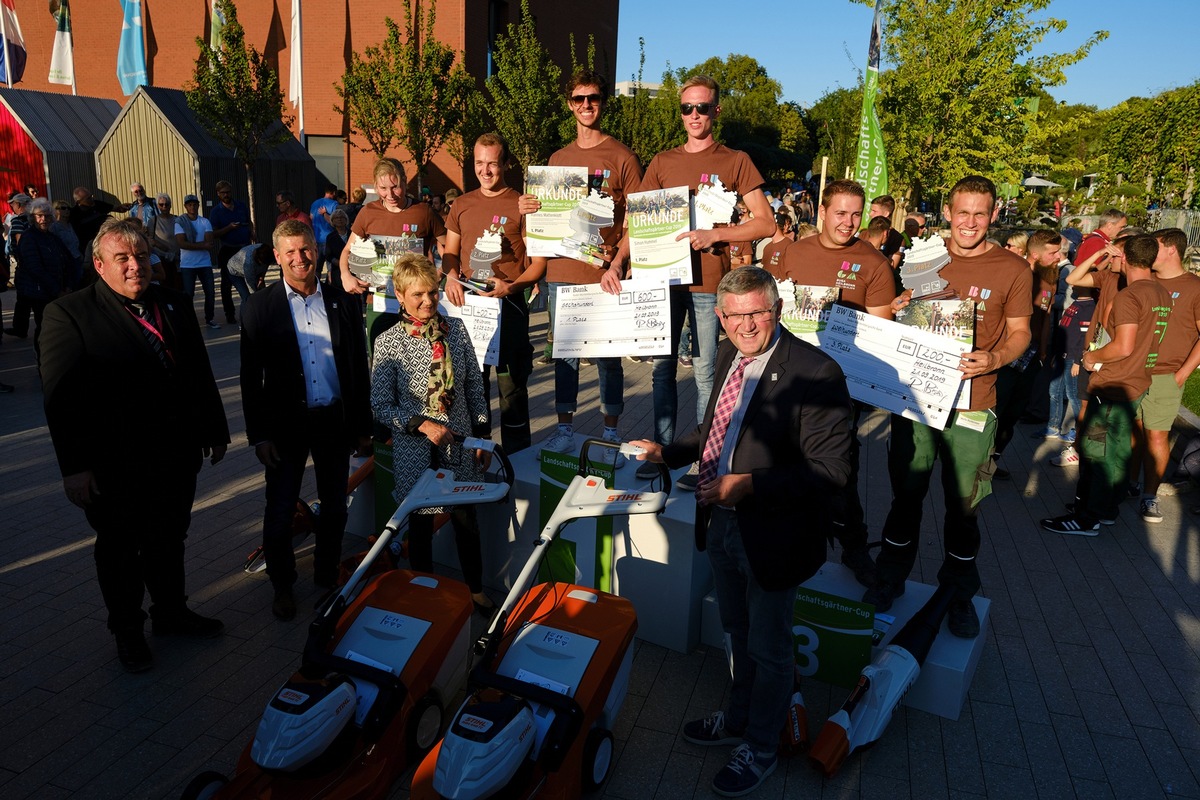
{"type": "Point", "coordinates": [330, 31]}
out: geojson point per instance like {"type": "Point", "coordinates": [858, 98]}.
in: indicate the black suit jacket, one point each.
{"type": "Point", "coordinates": [110, 403]}
{"type": "Point", "coordinates": [795, 443]}
{"type": "Point", "coordinates": [273, 393]}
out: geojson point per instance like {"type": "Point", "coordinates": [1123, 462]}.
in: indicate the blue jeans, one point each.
{"type": "Point", "coordinates": [205, 274]}
{"type": "Point", "coordinates": [759, 625]}
{"type": "Point", "coordinates": [1064, 396]}
{"type": "Point", "coordinates": [566, 377]}
{"type": "Point", "coordinates": [701, 312]}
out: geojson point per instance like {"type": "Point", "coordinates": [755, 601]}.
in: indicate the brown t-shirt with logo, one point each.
{"type": "Point", "coordinates": [1147, 305]}
{"type": "Point", "coordinates": [1181, 333]}
{"type": "Point", "coordinates": [475, 214]}
{"type": "Point", "coordinates": [1001, 284]}
{"type": "Point", "coordinates": [416, 222]}
{"type": "Point", "coordinates": [858, 269]}
{"type": "Point", "coordinates": [678, 167]}
{"type": "Point", "coordinates": [772, 257]}
{"type": "Point", "coordinates": [613, 170]}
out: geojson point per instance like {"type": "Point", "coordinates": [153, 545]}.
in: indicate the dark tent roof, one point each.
{"type": "Point", "coordinates": [62, 122]}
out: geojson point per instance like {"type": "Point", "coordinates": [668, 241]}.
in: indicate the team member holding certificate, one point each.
{"type": "Point", "coordinates": [613, 170]}
{"type": "Point", "coordinates": [700, 162]}
{"type": "Point", "coordinates": [1001, 284]}
{"type": "Point", "coordinates": [837, 257]}
{"type": "Point", "coordinates": [486, 225]}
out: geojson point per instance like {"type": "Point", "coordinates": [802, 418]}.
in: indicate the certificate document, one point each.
{"type": "Point", "coordinates": [806, 308]}
{"type": "Point", "coordinates": [560, 191]}
{"type": "Point", "coordinates": [900, 368]}
{"type": "Point", "coordinates": [481, 316]}
{"type": "Point", "coordinates": [655, 219]}
{"type": "Point", "coordinates": [591, 323]}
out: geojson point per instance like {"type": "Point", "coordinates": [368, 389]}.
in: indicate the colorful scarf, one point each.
{"type": "Point", "coordinates": [439, 392]}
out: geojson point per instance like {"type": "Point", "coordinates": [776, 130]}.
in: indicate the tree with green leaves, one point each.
{"type": "Point", "coordinates": [952, 102]}
{"type": "Point", "coordinates": [832, 125]}
{"type": "Point", "coordinates": [235, 93]}
{"type": "Point", "coordinates": [412, 90]}
{"type": "Point", "coordinates": [1155, 143]}
{"type": "Point", "coordinates": [525, 93]}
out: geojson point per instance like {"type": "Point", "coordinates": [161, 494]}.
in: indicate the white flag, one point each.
{"type": "Point", "coordinates": [62, 56]}
{"type": "Point", "coordinates": [295, 79]}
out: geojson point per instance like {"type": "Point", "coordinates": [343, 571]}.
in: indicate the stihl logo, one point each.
{"type": "Point", "coordinates": [473, 488]}
{"type": "Point", "coordinates": [617, 498]}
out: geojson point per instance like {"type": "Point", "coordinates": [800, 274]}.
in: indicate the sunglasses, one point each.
{"type": "Point", "coordinates": [578, 99]}
{"type": "Point", "coordinates": [702, 108]}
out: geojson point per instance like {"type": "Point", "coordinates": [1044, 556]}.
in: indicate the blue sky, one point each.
{"type": "Point", "coordinates": [803, 44]}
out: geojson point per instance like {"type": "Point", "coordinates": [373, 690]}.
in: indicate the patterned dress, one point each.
{"type": "Point", "coordinates": [399, 387]}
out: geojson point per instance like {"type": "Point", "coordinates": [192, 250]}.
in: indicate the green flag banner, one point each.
{"type": "Point", "coordinates": [871, 164]}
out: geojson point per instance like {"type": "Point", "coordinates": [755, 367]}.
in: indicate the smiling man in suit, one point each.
{"type": "Point", "coordinates": [774, 445]}
{"type": "Point", "coordinates": [133, 409]}
{"type": "Point", "coordinates": [305, 389]}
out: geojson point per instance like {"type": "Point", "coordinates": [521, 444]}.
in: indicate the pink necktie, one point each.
{"type": "Point", "coordinates": [726, 403]}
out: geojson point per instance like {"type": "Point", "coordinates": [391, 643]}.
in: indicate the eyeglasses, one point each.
{"type": "Point", "coordinates": [702, 108]}
{"type": "Point", "coordinates": [594, 99]}
{"type": "Point", "coordinates": [740, 319]}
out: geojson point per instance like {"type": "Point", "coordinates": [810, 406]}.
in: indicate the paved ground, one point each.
{"type": "Point", "coordinates": [1089, 684]}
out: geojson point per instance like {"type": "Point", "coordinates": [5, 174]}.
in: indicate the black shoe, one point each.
{"type": "Point", "coordinates": [859, 560]}
{"type": "Point", "coordinates": [882, 594]}
{"type": "Point", "coordinates": [186, 623]}
{"type": "Point", "coordinates": [133, 652]}
{"type": "Point", "coordinates": [7, 388]}
{"type": "Point", "coordinates": [999, 473]}
{"type": "Point", "coordinates": [13, 332]}
{"type": "Point", "coordinates": [962, 621]}
{"type": "Point", "coordinates": [1072, 525]}
{"type": "Point", "coordinates": [484, 611]}
{"type": "Point", "coordinates": [284, 605]}
{"type": "Point", "coordinates": [1103, 520]}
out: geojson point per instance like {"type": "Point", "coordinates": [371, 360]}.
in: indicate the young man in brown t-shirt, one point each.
{"type": "Point", "coordinates": [399, 222]}
{"type": "Point", "coordinates": [613, 170]}
{"type": "Point", "coordinates": [1178, 357]}
{"type": "Point", "coordinates": [1120, 377]}
{"type": "Point", "coordinates": [836, 257]}
{"type": "Point", "coordinates": [701, 160]}
{"type": "Point", "coordinates": [1000, 283]}
{"type": "Point", "coordinates": [484, 245]}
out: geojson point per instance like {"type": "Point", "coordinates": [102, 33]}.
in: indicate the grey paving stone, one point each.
{"type": "Point", "coordinates": [1000, 734]}
{"type": "Point", "coordinates": [1182, 724]}
{"type": "Point", "coordinates": [1084, 668]}
{"type": "Point", "coordinates": [1045, 760]}
{"type": "Point", "coordinates": [642, 763]}
{"type": "Point", "coordinates": [1168, 762]}
{"type": "Point", "coordinates": [1078, 751]}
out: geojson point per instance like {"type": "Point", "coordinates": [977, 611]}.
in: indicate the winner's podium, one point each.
{"type": "Point", "coordinates": [949, 668]}
{"type": "Point", "coordinates": [654, 561]}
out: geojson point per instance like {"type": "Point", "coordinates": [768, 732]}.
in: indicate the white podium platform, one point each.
{"type": "Point", "coordinates": [655, 562]}
{"type": "Point", "coordinates": [947, 672]}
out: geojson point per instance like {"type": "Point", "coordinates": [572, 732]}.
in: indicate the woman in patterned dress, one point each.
{"type": "Point", "coordinates": [426, 386]}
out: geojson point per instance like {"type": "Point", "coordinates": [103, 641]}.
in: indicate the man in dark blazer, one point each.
{"type": "Point", "coordinates": [134, 353]}
{"type": "Point", "coordinates": [305, 389]}
{"type": "Point", "coordinates": [773, 448]}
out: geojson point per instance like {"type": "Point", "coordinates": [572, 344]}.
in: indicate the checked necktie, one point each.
{"type": "Point", "coordinates": [726, 403]}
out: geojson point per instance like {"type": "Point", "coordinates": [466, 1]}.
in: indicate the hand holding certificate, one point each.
{"type": "Point", "coordinates": [896, 367]}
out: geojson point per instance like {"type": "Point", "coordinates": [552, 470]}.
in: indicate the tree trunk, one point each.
{"type": "Point", "coordinates": [250, 195]}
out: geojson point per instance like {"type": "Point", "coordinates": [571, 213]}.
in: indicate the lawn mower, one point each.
{"type": "Point", "coordinates": [552, 674]}
{"type": "Point", "coordinates": [384, 655]}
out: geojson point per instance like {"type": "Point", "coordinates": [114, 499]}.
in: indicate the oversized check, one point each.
{"type": "Point", "coordinates": [905, 370]}
{"type": "Point", "coordinates": [591, 323]}
{"type": "Point", "coordinates": [481, 316]}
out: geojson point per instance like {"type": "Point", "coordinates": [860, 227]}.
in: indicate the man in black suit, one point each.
{"type": "Point", "coordinates": [774, 446]}
{"type": "Point", "coordinates": [305, 389]}
{"type": "Point", "coordinates": [134, 352]}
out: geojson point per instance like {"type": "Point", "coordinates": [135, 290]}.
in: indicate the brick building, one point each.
{"type": "Point", "coordinates": [332, 29]}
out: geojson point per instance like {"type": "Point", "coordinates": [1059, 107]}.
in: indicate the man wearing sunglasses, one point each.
{"type": "Point", "coordinates": [702, 160]}
{"type": "Point", "coordinates": [773, 442]}
{"type": "Point", "coordinates": [613, 170]}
